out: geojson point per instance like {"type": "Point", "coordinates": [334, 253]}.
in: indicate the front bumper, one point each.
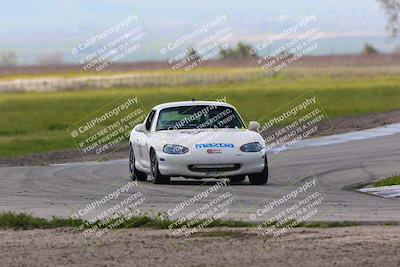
{"type": "Point", "coordinates": [201, 165]}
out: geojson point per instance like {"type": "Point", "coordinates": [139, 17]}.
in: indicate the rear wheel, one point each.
{"type": "Point", "coordinates": [158, 178]}
{"type": "Point", "coordinates": [133, 172]}
{"type": "Point", "coordinates": [260, 178]}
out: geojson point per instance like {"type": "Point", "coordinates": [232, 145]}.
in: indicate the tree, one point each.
{"type": "Point", "coordinates": [8, 58]}
{"type": "Point", "coordinates": [241, 51]}
{"type": "Point", "coordinates": [225, 52]}
{"type": "Point", "coordinates": [369, 50]}
{"type": "Point", "coordinates": [192, 54]}
{"type": "Point", "coordinates": [392, 10]}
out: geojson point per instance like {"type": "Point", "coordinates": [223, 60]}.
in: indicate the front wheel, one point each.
{"type": "Point", "coordinates": [133, 172]}
{"type": "Point", "coordinates": [260, 178]}
{"type": "Point", "coordinates": [158, 178]}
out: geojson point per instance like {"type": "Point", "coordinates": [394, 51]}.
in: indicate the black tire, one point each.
{"type": "Point", "coordinates": [133, 172]}
{"type": "Point", "coordinates": [237, 179]}
{"type": "Point", "coordinates": [260, 178]}
{"type": "Point", "coordinates": [158, 178]}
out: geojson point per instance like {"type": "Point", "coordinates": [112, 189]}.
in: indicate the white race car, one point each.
{"type": "Point", "coordinates": [197, 139]}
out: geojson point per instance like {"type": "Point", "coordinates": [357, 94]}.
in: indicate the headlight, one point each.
{"type": "Point", "coordinates": [175, 149]}
{"type": "Point", "coordinates": [251, 147]}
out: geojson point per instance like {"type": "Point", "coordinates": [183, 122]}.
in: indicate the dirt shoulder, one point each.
{"type": "Point", "coordinates": [340, 125]}
{"type": "Point", "coordinates": [348, 246]}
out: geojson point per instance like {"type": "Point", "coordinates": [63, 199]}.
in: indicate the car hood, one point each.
{"type": "Point", "coordinates": [205, 138]}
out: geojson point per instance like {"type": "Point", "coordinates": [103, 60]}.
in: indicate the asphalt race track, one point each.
{"type": "Point", "coordinates": [56, 190]}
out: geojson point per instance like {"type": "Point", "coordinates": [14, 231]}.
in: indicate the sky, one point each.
{"type": "Point", "coordinates": [35, 28]}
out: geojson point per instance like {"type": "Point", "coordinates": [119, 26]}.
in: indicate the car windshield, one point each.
{"type": "Point", "coordinates": [198, 117]}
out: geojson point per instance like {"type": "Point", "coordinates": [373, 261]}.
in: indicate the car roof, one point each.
{"type": "Point", "coordinates": [191, 103]}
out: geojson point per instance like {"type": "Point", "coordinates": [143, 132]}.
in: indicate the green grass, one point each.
{"type": "Point", "coordinates": [331, 71]}
{"type": "Point", "coordinates": [89, 74]}
{"type": "Point", "coordinates": [36, 122]}
{"type": "Point", "coordinates": [10, 220]}
{"type": "Point", "coordinates": [393, 180]}
{"type": "Point", "coordinates": [20, 221]}
{"type": "Point", "coordinates": [76, 74]}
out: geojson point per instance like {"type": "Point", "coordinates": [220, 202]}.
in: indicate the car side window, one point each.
{"type": "Point", "coordinates": [149, 120]}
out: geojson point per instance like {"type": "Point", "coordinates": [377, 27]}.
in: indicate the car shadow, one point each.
{"type": "Point", "coordinates": [205, 183]}
{"type": "Point", "coordinates": [202, 182]}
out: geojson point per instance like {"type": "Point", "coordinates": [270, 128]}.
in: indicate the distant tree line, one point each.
{"type": "Point", "coordinates": [241, 51]}
{"type": "Point", "coordinates": [369, 49]}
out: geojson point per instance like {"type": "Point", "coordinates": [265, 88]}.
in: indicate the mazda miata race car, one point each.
{"type": "Point", "coordinates": [197, 139]}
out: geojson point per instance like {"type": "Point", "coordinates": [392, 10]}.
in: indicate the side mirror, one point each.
{"type": "Point", "coordinates": [253, 126]}
{"type": "Point", "coordinates": [140, 128]}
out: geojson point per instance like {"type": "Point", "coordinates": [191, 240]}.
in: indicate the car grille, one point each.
{"type": "Point", "coordinates": [214, 167]}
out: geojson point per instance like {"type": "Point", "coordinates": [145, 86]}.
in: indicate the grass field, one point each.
{"type": "Point", "coordinates": [21, 221]}
{"type": "Point", "coordinates": [76, 74]}
{"type": "Point", "coordinates": [37, 122]}
{"type": "Point", "coordinates": [393, 180]}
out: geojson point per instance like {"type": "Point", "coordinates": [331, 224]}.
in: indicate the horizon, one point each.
{"type": "Point", "coordinates": [32, 36]}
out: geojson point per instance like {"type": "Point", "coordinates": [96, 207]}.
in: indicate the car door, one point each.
{"type": "Point", "coordinates": [142, 142]}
